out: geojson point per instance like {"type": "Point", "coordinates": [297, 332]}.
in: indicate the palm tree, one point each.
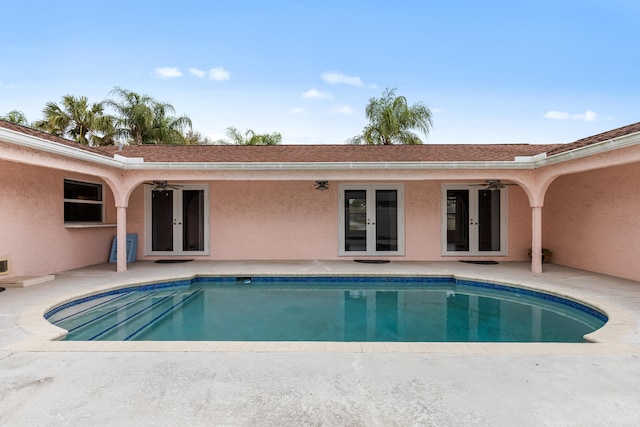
{"type": "Point", "coordinates": [252, 138]}
{"type": "Point", "coordinates": [15, 116]}
{"type": "Point", "coordinates": [167, 129]}
{"type": "Point", "coordinates": [193, 137]}
{"type": "Point", "coordinates": [390, 121]}
{"type": "Point", "coordinates": [77, 119]}
{"type": "Point", "coordinates": [143, 120]}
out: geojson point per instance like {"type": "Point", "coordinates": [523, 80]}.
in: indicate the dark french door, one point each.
{"type": "Point", "coordinates": [371, 220]}
{"type": "Point", "coordinates": [474, 221]}
{"type": "Point", "coordinates": [177, 221]}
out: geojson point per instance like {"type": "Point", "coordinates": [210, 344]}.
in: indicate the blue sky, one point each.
{"type": "Point", "coordinates": [491, 72]}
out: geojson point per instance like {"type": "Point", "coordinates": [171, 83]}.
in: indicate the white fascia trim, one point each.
{"type": "Point", "coordinates": [52, 147]}
{"type": "Point", "coordinates": [267, 166]}
{"type": "Point", "coordinates": [591, 150]}
{"type": "Point", "coordinates": [124, 159]}
{"type": "Point", "coordinates": [530, 158]}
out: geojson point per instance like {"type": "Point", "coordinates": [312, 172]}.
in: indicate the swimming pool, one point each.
{"type": "Point", "coordinates": [339, 309]}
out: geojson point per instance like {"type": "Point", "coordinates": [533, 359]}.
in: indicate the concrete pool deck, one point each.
{"type": "Point", "coordinates": [46, 382]}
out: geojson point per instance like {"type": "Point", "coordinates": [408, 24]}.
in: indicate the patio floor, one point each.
{"type": "Point", "coordinates": [45, 383]}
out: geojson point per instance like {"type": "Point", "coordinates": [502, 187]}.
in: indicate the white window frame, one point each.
{"type": "Point", "coordinates": [473, 238]}
{"type": "Point", "coordinates": [370, 188]}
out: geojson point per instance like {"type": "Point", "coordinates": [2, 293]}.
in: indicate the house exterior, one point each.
{"type": "Point", "coordinates": [61, 204]}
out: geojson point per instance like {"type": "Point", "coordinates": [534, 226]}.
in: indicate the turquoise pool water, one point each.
{"type": "Point", "coordinates": [346, 309]}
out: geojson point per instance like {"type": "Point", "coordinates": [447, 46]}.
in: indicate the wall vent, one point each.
{"type": "Point", "coordinates": [4, 266]}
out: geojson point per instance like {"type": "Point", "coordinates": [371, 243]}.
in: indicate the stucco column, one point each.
{"type": "Point", "coordinates": [122, 238]}
{"type": "Point", "coordinates": [536, 239]}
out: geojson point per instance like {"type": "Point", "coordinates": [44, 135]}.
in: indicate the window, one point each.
{"type": "Point", "coordinates": [83, 201]}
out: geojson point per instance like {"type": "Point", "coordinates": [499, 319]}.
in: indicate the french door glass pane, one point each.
{"type": "Point", "coordinates": [162, 222]}
{"type": "Point", "coordinates": [355, 220]}
{"type": "Point", "coordinates": [386, 220]}
{"type": "Point", "coordinates": [489, 220]}
{"type": "Point", "coordinates": [458, 220]}
{"type": "Point", "coordinates": [193, 220]}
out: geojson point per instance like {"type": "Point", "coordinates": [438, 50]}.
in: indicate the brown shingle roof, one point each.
{"type": "Point", "coordinates": [329, 153]}
{"type": "Point", "coordinates": [604, 136]}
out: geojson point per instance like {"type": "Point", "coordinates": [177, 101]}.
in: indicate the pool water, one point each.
{"type": "Point", "coordinates": [327, 309]}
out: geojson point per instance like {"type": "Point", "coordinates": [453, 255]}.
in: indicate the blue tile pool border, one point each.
{"type": "Point", "coordinates": [410, 281]}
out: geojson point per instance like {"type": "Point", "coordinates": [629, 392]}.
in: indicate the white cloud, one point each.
{"type": "Point", "coordinates": [297, 110]}
{"type": "Point", "coordinates": [588, 116]}
{"type": "Point", "coordinates": [167, 72]}
{"type": "Point", "coordinates": [556, 115]}
{"type": "Point", "coordinates": [219, 74]}
{"type": "Point", "coordinates": [316, 94]}
{"type": "Point", "coordinates": [196, 72]}
{"type": "Point", "coordinates": [343, 110]}
{"type": "Point", "coordinates": [339, 78]}
{"type": "Point", "coordinates": [336, 78]}
{"type": "Point", "coordinates": [436, 110]}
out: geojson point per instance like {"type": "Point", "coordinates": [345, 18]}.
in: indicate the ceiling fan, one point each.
{"type": "Point", "coordinates": [162, 186]}
{"type": "Point", "coordinates": [492, 185]}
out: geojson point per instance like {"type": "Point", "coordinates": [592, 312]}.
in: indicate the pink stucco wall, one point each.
{"type": "Point", "coordinates": [32, 233]}
{"type": "Point", "coordinates": [591, 221]}
{"type": "Point", "coordinates": [290, 220]}
{"type": "Point", "coordinates": [273, 220]}
{"type": "Point", "coordinates": [422, 220]}
{"type": "Point", "coordinates": [519, 225]}
{"type": "Point", "coordinates": [135, 217]}
{"type": "Point", "coordinates": [249, 220]}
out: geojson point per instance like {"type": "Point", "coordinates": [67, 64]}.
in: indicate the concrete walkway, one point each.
{"type": "Point", "coordinates": [466, 385]}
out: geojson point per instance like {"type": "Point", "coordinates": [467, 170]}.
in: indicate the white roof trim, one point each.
{"type": "Point", "coordinates": [33, 142]}
{"type": "Point", "coordinates": [266, 166]}
{"type": "Point", "coordinates": [530, 158]}
{"type": "Point", "coordinates": [591, 149]}
{"type": "Point", "coordinates": [128, 159]}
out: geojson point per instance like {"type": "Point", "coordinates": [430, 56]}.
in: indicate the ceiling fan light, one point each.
{"type": "Point", "coordinates": [322, 185]}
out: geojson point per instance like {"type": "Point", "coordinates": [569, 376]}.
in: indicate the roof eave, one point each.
{"type": "Point", "coordinates": [35, 143]}
{"type": "Point", "coordinates": [269, 166]}
{"type": "Point", "coordinates": [591, 149]}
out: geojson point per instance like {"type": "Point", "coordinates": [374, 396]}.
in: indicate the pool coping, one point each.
{"type": "Point", "coordinates": [610, 339]}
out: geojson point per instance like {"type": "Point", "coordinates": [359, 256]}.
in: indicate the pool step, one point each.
{"type": "Point", "coordinates": [104, 311]}
{"type": "Point", "coordinates": [115, 320]}
{"type": "Point", "coordinates": [66, 315]}
{"type": "Point", "coordinates": [140, 325]}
